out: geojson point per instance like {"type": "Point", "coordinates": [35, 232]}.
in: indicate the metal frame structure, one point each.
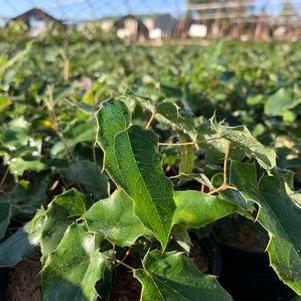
{"type": "Point", "coordinates": [238, 11]}
{"type": "Point", "coordinates": [242, 12]}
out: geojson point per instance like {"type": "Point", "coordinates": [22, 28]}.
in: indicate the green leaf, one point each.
{"type": "Point", "coordinates": [213, 147]}
{"type": "Point", "coordinates": [197, 209]}
{"type": "Point", "coordinates": [99, 90]}
{"type": "Point", "coordinates": [107, 130]}
{"type": "Point", "coordinates": [16, 248]}
{"type": "Point", "coordinates": [187, 157]}
{"type": "Point", "coordinates": [19, 56]}
{"type": "Point", "coordinates": [279, 215]}
{"type": "Point", "coordinates": [76, 132]}
{"type": "Point", "coordinates": [132, 161]}
{"type": "Point", "coordinates": [200, 178]}
{"type": "Point", "coordinates": [89, 175]}
{"type": "Point", "coordinates": [289, 116]}
{"type": "Point", "coordinates": [181, 236]}
{"type": "Point", "coordinates": [4, 102]}
{"type": "Point", "coordinates": [23, 242]}
{"type": "Point", "coordinates": [18, 165]}
{"type": "Point", "coordinates": [5, 213]}
{"type": "Point", "coordinates": [173, 276]}
{"type": "Point", "coordinates": [116, 219]}
{"type": "Point", "coordinates": [241, 137]}
{"type": "Point", "coordinates": [236, 197]}
{"type": "Point", "coordinates": [170, 112]}
{"type": "Point", "coordinates": [72, 270]}
{"type": "Point", "coordinates": [15, 134]}
{"type": "Point", "coordinates": [280, 102]}
{"type": "Point", "coordinates": [255, 99]}
{"type": "Point", "coordinates": [61, 212]}
{"type": "Point", "coordinates": [28, 196]}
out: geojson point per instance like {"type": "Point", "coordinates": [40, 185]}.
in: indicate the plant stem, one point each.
{"type": "Point", "coordinates": [52, 113]}
{"type": "Point", "coordinates": [227, 153]}
{"type": "Point", "coordinates": [124, 264]}
{"type": "Point", "coordinates": [94, 131]}
{"type": "Point", "coordinates": [177, 144]}
{"type": "Point", "coordinates": [126, 255]}
{"type": "Point", "coordinates": [225, 184]}
{"type": "Point", "coordinates": [4, 177]}
{"type": "Point", "coordinates": [66, 66]}
{"type": "Point", "coordinates": [151, 119]}
{"type": "Point", "coordinates": [196, 143]}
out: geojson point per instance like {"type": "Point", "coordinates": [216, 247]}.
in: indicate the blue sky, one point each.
{"type": "Point", "coordinates": [87, 9]}
{"type": "Point", "coordinates": [78, 10]}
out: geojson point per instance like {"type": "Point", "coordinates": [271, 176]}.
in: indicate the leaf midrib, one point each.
{"type": "Point", "coordinates": [144, 184]}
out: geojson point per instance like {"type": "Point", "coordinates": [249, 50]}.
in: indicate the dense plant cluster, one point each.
{"type": "Point", "coordinates": [109, 150]}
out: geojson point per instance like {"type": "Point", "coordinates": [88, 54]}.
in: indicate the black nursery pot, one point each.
{"type": "Point", "coordinates": [3, 283]}
{"type": "Point", "coordinates": [247, 276]}
{"type": "Point", "coordinates": [210, 250]}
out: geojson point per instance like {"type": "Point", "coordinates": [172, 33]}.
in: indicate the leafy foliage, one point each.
{"type": "Point", "coordinates": [23, 242]}
{"type": "Point", "coordinates": [5, 217]}
{"type": "Point", "coordinates": [116, 219]}
{"type": "Point", "coordinates": [72, 273]}
{"type": "Point", "coordinates": [278, 214]}
{"type": "Point", "coordinates": [196, 209]}
{"type": "Point", "coordinates": [160, 282]}
{"type": "Point", "coordinates": [132, 157]}
{"type": "Point", "coordinates": [240, 137]}
{"type": "Point", "coordinates": [166, 170]}
{"type": "Point", "coordinates": [60, 214]}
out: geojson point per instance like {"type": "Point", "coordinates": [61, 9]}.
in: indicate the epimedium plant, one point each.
{"type": "Point", "coordinates": [80, 242]}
